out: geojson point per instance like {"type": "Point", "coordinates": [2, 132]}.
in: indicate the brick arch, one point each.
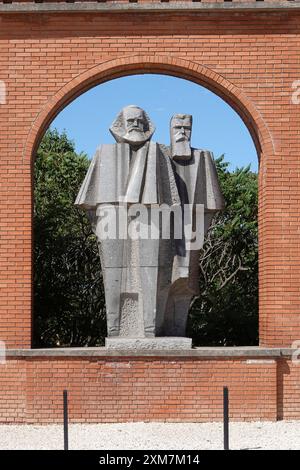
{"type": "Point", "coordinates": [177, 67]}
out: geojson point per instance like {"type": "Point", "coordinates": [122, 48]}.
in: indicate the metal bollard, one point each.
{"type": "Point", "coordinates": [226, 417]}
{"type": "Point", "coordinates": [66, 431]}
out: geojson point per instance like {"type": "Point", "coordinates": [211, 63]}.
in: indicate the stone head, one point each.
{"type": "Point", "coordinates": [133, 126]}
{"type": "Point", "coordinates": [181, 131]}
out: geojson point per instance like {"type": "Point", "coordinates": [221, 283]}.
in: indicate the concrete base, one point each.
{"type": "Point", "coordinates": [164, 342]}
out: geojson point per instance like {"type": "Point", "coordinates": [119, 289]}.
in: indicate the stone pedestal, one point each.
{"type": "Point", "coordinates": [159, 343]}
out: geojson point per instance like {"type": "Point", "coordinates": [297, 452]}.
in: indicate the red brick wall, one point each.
{"type": "Point", "coordinates": [111, 389]}
{"type": "Point", "coordinates": [288, 390]}
{"type": "Point", "coordinates": [115, 389]}
{"type": "Point", "coordinates": [251, 59]}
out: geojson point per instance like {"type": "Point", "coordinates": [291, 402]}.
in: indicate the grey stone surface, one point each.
{"type": "Point", "coordinates": [245, 352]}
{"type": "Point", "coordinates": [138, 132]}
{"type": "Point", "coordinates": [32, 7]}
{"type": "Point", "coordinates": [198, 185]}
{"type": "Point", "coordinates": [126, 179]}
{"type": "Point", "coordinates": [149, 280]}
{"type": "Point", "coordinates": [176, 343]}
{"type": "Point", "coordinates": [180, 133]}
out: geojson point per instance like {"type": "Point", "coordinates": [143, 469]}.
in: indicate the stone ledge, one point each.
{"type": "Point", "coordinates": [165, 343]}
{"type": "Point", "coordinates": [46, 7]}
{"type": "Point", "coordinates": [201, 352]}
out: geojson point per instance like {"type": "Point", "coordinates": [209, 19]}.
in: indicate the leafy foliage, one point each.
{"type": "Point", "coordinates": [226, 312]}
{"type": "Point", "coordinates": [68, 287]}
{"type": "Point", "coordinates": [69, 307]}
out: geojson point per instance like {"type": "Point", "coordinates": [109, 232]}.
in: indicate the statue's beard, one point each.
{"type": "Point", "coordinates": [181, 149]}
{"type": "Point", "coordinates": [135, 136]}
{"type": "Point", "coordinates": [179, 137]}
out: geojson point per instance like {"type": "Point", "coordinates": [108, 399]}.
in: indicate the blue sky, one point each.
{"type": "Point", "coordinates": [216, 126]}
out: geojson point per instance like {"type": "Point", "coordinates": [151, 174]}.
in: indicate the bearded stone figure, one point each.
{"type": "Point", "coordinates": [123, 177]}
{"type": "Point", "coordinates": [149, 270]}
{"type": "Point", "coordinates": [198, 187]}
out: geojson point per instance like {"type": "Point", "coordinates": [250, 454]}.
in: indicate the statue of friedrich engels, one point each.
{"type": "Point", "coordinates": [149, 280]}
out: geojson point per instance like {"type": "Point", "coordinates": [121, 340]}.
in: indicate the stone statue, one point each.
{"type": "Point", "coordinates": [198, 188]}
{"type": "Point", "coordinates": [131, 174]}
{"type": "Point", "coordinates": [135, 192]}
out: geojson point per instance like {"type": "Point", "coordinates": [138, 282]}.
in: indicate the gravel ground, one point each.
{"type": "Point", "coordinates": [163, 436]}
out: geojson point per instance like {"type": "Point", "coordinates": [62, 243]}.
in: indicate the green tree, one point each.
{"type": "Point", "coordinates": [226, 311]}
{"type": "Point", "coordinates": [69, 307]}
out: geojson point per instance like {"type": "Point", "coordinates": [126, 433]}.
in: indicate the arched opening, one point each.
{"type": "Point", "coordinates": [250, 124]}
{"type": "Point", "coordinates": [172, 66]}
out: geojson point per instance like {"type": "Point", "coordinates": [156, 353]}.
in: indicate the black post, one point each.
{"type": "Point", "coordinates": [226, 418]}
{"type": "Point", "coordinates": [66, 433]}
